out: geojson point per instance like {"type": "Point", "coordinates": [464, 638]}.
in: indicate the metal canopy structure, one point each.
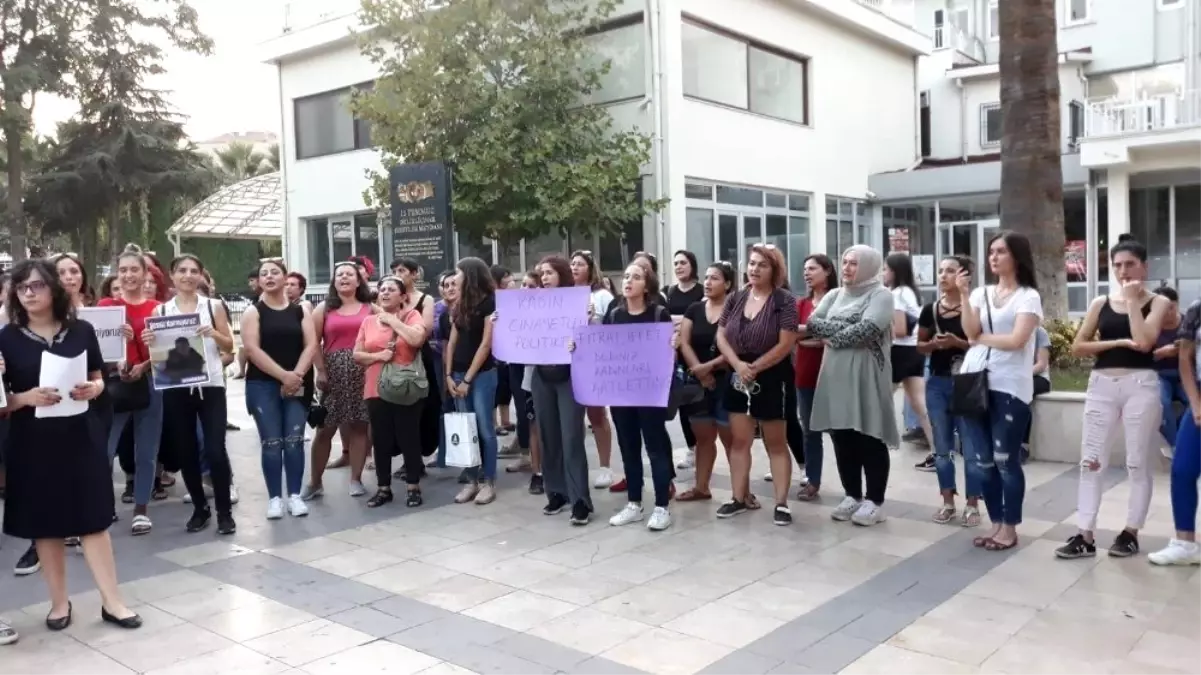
{"type": "Point", "coordinates": [249, 209]}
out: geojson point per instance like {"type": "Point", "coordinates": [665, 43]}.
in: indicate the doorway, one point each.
{"type": "Point", "coordinates": [970, 239]}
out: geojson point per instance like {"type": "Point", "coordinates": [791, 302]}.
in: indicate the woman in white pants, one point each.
{"type": "Point", "coordinates": [1120, 331]}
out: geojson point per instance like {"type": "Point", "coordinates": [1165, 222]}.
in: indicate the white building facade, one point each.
{"type": "Point", "coordinates": [768, 116]}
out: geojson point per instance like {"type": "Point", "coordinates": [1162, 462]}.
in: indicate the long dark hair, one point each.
{"type": "Point", "coordinates": [902, 273]}
{"type": "Point", "coordinates": [823, 261]}
{"type": "Point", "coordinates": [651, 295]}
{"type": "Point", "coordinates": [1128, 244]}
{"type": "Point", "coordinates": [1023, 256]}
{"type": "Point", "coordinates": [475, 288]}
{"type": "Point", "coordinates": [85, 289]}
{"type": "Point", "coordinates": [362, 292]}
{"type": "Point", "coordinates": [561, 267]}
{"type": "Point", "coordinates": [693, 273]}
{"type": "Point", "coordinates": [728, 275]}
{"type": "Point", "coordinates": [60, 300]}
{"type": "Point", "coordinates": [499, 272]}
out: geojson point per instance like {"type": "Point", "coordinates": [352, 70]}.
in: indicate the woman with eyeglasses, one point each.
{"type": "Point", "coordinates": [708, 418]}
{"type": "Point", "coordinates": [584, 272]}
{"type": "Point", "coordinates": [280, 343]}
{"type": "Point", "coordinates": [757, 335]}
{"type": "Point", "coordinates": [853, 400]}
{"type": "Point", "coordinates": [681, 295]}
{"type": "Point", "coordinates": [65, 451]}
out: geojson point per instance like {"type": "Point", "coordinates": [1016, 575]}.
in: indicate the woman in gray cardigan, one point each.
{"type": "Point", "coordinates": [854, 387]}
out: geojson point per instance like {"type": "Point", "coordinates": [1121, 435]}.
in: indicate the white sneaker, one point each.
{"type": "Point", "coordinates": [1177, 552]}
{"type": "Point", "coordinates": [845, 509]}
{"type": "Point", "coordinates": [233, 493]}
{"type": "Point", "coordinates": [357, 489]}
{"type": "Point", "coordinates": [632, 513]}
{"type": "Point", "coordinates": [187, 498]}
{"type": "Point", "coordinates": [275, 508]}
{"type": "Point", "coordinates": [689, 461]}
{"type": "Point", "coordinates": [604, 478]}
{"type": "Point", "coordinates": [297, 507]}
{"type": "Point", "coordinates": [767, 477]}
{"type": "Point", "coordinates": [868, 514]}
{"type": "Point", "coordinates": [660, 519]}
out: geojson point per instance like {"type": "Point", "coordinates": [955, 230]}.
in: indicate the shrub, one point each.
{"type": "Point", "coordinates": [1062, 334]}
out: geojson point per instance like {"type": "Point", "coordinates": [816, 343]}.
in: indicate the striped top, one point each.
{"type": "Point", "coordinates": [756, 337]}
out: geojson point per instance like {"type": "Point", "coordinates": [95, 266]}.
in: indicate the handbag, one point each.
{"type": "Point", "coordinates": [969, 391]}
{"type": "Point", "coordinates": [127, 396]}
{"type": "Point", "coordinates": [686, 390]}
{"type": "Point", "coordinates": [317, 413]}
{"type": "Point", "coordinates": [403, 383]}
{"type": "Point", "coordinates": [462, 440]}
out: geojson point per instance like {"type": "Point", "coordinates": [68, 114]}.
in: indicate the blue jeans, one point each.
{"type": "Point", "coordinates": [147, 434]}
{"type": "Point", "coordinates": [280, 421]}
{"type": "Point", "coordinates": [992, 451]}
{"type": "Point", "coordinates": [481, 400]}
{"type": "Point", "coordinates": [813, 439]}
{"type": "Point", "coordinates": [1170, 390]}
{"type": "Point", "coordinates": [633, 426]}
{"type": "Point", "coordinates": [945, 426]}
{"type": "Point", "coordinates": [1186, 470]}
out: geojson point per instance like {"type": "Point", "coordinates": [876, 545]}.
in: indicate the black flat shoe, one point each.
{"type": "Point", "coordinates": [60, 623]}
{"type": "Point", "coordinates": [199, 520]}
{"type": "Point", "coordinates": [226, 524]}
{"type": "Point", "coordinates": [380, 498]}
{"type": "Point", "coordinates": [129, 622]}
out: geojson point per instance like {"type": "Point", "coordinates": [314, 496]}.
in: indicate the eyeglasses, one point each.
{"type": "Point", "coordinates": [32, 287]}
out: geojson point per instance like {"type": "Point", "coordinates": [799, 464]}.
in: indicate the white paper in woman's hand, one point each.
{"type": "Point", "coordinates": [63, 374]}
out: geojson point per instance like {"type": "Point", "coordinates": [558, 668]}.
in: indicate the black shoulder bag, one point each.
{"type": "Point", "coordinates": [969, 391]}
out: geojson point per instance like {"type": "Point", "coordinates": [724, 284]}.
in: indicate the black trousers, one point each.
{"type": "Point", "coordinates": [516, 375]}
{"type": "Point", "coordinates": [430, 421]}
{"type": "Point", "coordinates": [860, 457]}
{"type": "Point", "coordinates": [391, 435]}
{"type": "Point", "coordinates": [125, 450]}
{"type": "Point", "coordinates": [181, 410]}
{"type": "Point", "coordinates": [793, 431]}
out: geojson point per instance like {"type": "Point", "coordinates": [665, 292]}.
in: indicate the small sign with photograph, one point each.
{"type": "Point", "coordinates": [177, 355]}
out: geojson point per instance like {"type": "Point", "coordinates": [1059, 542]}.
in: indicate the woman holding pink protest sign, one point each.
{"type": "Point", "coordinates": [584, 272]}
{"type": "Point", "coordinates": [560, 422]}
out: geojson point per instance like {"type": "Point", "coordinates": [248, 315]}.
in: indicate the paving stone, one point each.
{"type": "Point", "coordinates": [742, 662]}
{"type": "Point", "coordinates": [542, 651]}
{"type": "Point", "coordinates": [791, 638]}
{"type": "Point", "coordinates": [443, 636]}
{"type": "Point", "coordinates": [371, 621]}
{"type": "Point", "coordinates": [878, 625]}
{"type": "Point", "coordinates": [482, 659]}
{"type": "Point", "coordinates": [601, 666]}
{"type": "Point", "coordinates": [834, 652]}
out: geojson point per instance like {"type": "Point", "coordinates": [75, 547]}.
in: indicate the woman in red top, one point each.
{"type": "Point", "coordinates": [148, 418]}
{"type": "Point", "coordinates": [820, 277]}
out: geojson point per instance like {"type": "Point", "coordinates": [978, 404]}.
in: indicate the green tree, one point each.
{"type": "Point", "coordinates": [1031, 177]}
{"type": "Point", "coordinates": [52, 46]}
{"type": "Point", "coordinates": [239, 161]}
{"type": "Point", "coordinates": [272, 160]}
{"type": "Point", "coordinates": [497, 90]}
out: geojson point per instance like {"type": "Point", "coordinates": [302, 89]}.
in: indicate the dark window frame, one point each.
{"type": "Point", "coordinates": [985, 109]}
{"type": "Point", "coordinates": [361, 128]}
{"type": "Point", "coordinates": [747, 44]}
{"type": "Point", "coordinates": [635, 19]}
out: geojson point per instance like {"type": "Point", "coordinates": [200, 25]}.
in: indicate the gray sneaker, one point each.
{"type": "Point", "coordinates": [8, 634]}
{"type": "Point", "coordinates": [845, 509]}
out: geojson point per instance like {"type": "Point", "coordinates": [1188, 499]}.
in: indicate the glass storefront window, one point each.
{"type": "Point", "coordinates": [798, 250]}
{"type": "Point", "coordinates": [1150, 223]}
{"type": "Point", "coordinates": [1188, 242]}
{"type": "Point", "coordinates": [840, 225]}
{"type": "Point", "coordinates": [699, 238]}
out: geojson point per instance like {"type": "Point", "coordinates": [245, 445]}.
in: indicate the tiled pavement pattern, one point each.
{"type": "Point", "coordinates": [503, 589]}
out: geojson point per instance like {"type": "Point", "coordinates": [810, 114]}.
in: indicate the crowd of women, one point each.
{"type": "Point", "coordinates": [380, 368]}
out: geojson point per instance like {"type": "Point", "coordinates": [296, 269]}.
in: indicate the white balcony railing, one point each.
{"type": "Point", "coordinates": [1114, 117]}
{"type": "Point", "coordinates": [304, 13]}
{"type": "Point", "coordinates": [900, 11]}
{"type": "Point", "coordinates": [950, 37]}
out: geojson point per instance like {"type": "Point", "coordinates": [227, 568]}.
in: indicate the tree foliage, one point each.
{"type": "Point", "coordinates": [1031, 145]}
{"type": "Point", "coordinates": [94, 51]}
{"type": "Point", "coordinates": [497, 88]}
{"type": "Point", "coordinates": [240, 160]}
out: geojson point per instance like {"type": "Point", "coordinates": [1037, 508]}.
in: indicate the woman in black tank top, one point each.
{"type": "Point", "coordinates": [1120, 330]}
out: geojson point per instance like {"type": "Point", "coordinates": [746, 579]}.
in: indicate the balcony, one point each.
{"type": "Point", "coordinates": [951, 37]}
{"type": "Point", "coordinates": [1164, 112]}
{"type": "Point", "coordinates": [300, 14]}
{"type": "Point", "coordinates": [901, 11]}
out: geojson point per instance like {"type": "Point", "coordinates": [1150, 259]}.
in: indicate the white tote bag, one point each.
{"type": "Point", "coordinates": [462, 440]}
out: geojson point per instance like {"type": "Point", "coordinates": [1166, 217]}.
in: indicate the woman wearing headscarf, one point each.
{"type": "Point", "coordinates": [854, 387]}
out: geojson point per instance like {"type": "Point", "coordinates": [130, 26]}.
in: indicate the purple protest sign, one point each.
{"type": "Point", "coordinates": [623, 365]}
{"type": "Point", "coordinates": [533, 325]}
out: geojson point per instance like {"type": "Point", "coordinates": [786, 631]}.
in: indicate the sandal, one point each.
{"type": "Point", "coordinates": [971, 517]}
{"type": "Point", "coordinates": [808, 492]}
{"type": "Point", "coordinates": [127, 495]}
{"type": "Point", "coordinates": [414, 499]}
{"type": "Point", "coordinates": [994, 545]}
{"type": "Point", "coordinates": [945, 514]}
{"type": "Point", "coordinates": [166, 480]}
{"type": "Point", "coordinates": [141, 525]}
{"type": "Point", "coordinates": [752, 503]}
{"type": "Point", "coordinates": [979, 542]}
{"type": "Point", "coordinates": [693, 495]}
{"type": "Point", "coordinates": [159, 494]}
{"type": "Point", "coordinates": [381, 497]}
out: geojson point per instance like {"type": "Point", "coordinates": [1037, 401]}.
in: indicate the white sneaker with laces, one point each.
{"type": "Point", "coordinates": [689, 461]}
{"type": "Point", "coordinates": [233, 493]}
{"type": "Point", "coordinates": [275, 508]}
{"type": "Point", "coordinates": [187, 498]}
{"type": "Point", "coordinates": [604, 478]}
{"type": "Point", "coordinates": [660, 519]}
{"type": "Point", "coordinates": [869, 513]}
{"type": "Point", "coordinates": [297, 507]}
{"type": "Point", "coordinates": [845, 509]}
{"type": "Point", "coordinates": [1177, 552]}
{"type": "Point", "coordinates": [632, 513]}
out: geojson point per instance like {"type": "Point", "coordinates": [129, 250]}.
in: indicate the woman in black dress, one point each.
{"type": "Point", "coordinates": [65, 451]}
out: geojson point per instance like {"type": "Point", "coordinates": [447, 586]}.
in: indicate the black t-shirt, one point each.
{"type": "Point", "coordinates": [703, 338]}
{"type": "Point", "coordinates": [620, 315]}
{"type": "Point", "coordinates": [471, 334]}
{"type": "Point", "coordinates": [679, 301]}
{"type": "Point", "coordinates": [941, 360]}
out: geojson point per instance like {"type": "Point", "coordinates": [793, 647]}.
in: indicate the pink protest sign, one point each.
{"type": "Point", "coordinates": [623, 365]}
{"type": "Point", "coordinates": [533, 325]}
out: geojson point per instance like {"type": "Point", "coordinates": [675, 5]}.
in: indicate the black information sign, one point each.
{"type": "Point", "coordinates": [421, 219]}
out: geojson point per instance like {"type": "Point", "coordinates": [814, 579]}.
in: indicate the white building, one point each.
{"type": "Point", "coordinates": [765, 111]}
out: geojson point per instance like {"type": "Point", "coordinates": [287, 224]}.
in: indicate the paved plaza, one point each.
{"type": "Point", "coordinates": [502, 588]}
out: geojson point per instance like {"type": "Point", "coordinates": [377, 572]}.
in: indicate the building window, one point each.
{"type": "Point", "coordinates": [325, 125]}
{"type": "Point", "coordinates": [623, 46]}
{"type": "Point", "coordinates": [736, 72]}
{"type": "Point", "coordinates": [842, 230]}
{"type": "Point", "coordinates": [1078, 11]}
{"type": "Point", "coordinates": [994, 21]}
{"type": "Point", "coordinates": [338, 238]}
{"type": "Point", "coordinates": [1165, 5]}
{"type": "Point", "coordinates": [1188, 242]}
{"type": "Point", "coordinates": [990, 125]}
{"type": "Point", "coordinates": [1075, 124]}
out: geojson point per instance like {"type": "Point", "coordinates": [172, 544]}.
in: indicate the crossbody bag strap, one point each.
{"type": "Point", "coordinates": [988, 308]}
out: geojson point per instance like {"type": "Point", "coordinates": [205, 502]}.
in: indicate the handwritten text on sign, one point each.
{"type": "Point", "coordinates": [533, 325]}
{"type": "Point", "coordinates": [623, 365]}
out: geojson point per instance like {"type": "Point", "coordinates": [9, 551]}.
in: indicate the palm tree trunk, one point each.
{"type": "Point", "coordinates": [1031, 177]}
